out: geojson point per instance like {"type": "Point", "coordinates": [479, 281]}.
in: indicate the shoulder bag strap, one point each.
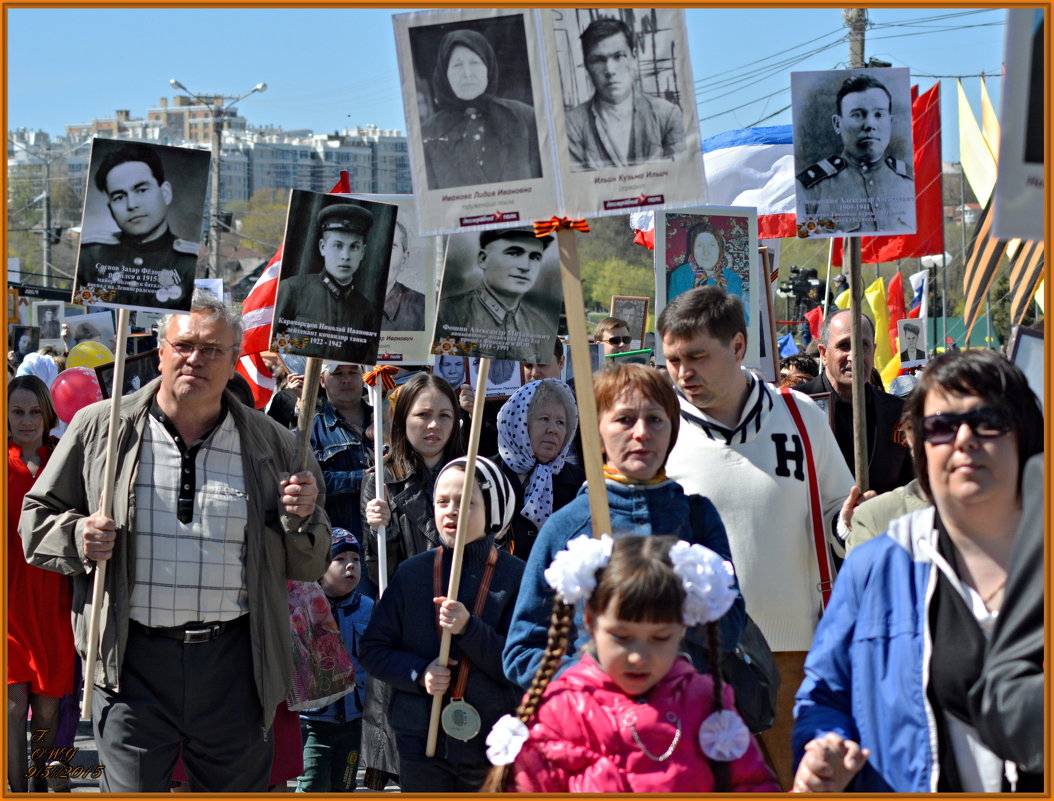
{"type": "Point", "coordinates": [823, 554]}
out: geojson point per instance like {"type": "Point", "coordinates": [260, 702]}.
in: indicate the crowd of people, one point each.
{"type": "Point", "coordinates": [752, 622]}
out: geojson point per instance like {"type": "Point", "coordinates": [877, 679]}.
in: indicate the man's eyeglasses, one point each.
{"type": "Point", "coordinates": [940, 429]}
{"type": "Point", "coordinates": [618, 340]}
{"type": "Point", "coordinates": [186, 349]}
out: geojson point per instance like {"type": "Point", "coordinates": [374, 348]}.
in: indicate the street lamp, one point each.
{"type": "Point", "coordinates": [217, 107]}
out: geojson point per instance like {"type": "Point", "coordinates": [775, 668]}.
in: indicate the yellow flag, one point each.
{"type": "Point", "coordinates": [1039, 295]}
{"type": "Point", "coordinates": [978, 163]}
{"type": "Point", "coordinates": [989, 122]}
{"type": "Point", "coordinates": [842, 301]}
{"type": "Point", "coordinates": [890, 371]}
{"type": "Point", "coordinates": [875, 297]}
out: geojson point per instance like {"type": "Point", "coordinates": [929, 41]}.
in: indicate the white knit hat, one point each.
{"type": "Point", "coordinates": [498, 494]}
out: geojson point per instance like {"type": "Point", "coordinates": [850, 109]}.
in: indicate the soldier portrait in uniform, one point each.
{"type": "Point", "coordinates": [334, 271]}
{"type": "Point", "coordinates": [853, 152]}
{"type": "Point", "coordinates": [49, 318]}
{"type": "Point", "coordinates": [404, 308]}
{"type": "Point", "coordinates": [620, 124]}
{"type": "Point", "coordinates": [142, 225]}
{"type": "Point", "coordinates": [486, 303]}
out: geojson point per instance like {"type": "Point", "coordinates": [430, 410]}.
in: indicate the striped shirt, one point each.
{"type": "Point", "coordinates": [191, 514]}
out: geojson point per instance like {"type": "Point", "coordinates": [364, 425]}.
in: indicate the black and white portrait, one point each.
{"type": "Point", "coordinates": [451, 369]}
{"type": "Point", "coordinates": [913, 346]}
{"type": "Point", "coordinates": [475, 101]}
{"type": "Point", "coordinates": [21, 341]}
{"type": "Point", "coordinates": [94, 327]}
{"type": "Point", "coordinates": [139, 370]}
{"type": "Point", "coordinates": [334, 274]}
{"type": "Point", "coordinates": [620, 88]}
{"type": "Point", "coordinates": [634, 311]}
{"type": "Point", "coordinates": [500, 296]}
{"type": "Point", "coordinates": [853, 152]}
{"type": "Point", "coordinates": [504, 377]}
{"type": "Point", "coordinates": [49, 317]}
{"type": "Point", "coordinates": [141, 229]}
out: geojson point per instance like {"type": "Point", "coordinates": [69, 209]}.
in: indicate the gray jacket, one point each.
{"type": "Point", "coordinates": [279, 546]}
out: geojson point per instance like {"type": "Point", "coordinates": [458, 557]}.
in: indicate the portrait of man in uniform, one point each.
{"type": "Point", "coordinates": [334, 292]}
{"type": "Point", "coordinates": [912, 351]}
{"type": "Point", "coordinates": [330, 295]}
{"type": "Point", "coordinates": [145, 262]}
{"type": "Point", "coordinates": [620, 125]}
{"type": "Point", "coordinates": [865, 187]}
{"type": "Point", "coordinates": [495, 315]}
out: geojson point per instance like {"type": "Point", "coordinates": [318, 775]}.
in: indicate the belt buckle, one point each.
{"type": "Point", "coordinates": [191, 636]}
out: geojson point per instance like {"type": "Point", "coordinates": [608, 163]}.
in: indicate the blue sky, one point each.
{"type": "Point", "coordinates": [329, 68]}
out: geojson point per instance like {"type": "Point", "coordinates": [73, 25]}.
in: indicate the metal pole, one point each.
{"type": "Point", "coordinates": [962, 233]}
{"type": "Point", "coordinates": [45, 268]}
{"type": "Point", "coordinates": [214, 205]}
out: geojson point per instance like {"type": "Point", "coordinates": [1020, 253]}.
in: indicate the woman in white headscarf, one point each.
{"type": "Point", "coordinates": [536, 427]}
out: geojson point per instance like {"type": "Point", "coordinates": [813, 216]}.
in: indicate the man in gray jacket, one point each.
{"type": "Point", "coordinates": [211, 514]}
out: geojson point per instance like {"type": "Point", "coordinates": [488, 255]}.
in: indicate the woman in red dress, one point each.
{"type": "Point", "coordinates": [40, 653]}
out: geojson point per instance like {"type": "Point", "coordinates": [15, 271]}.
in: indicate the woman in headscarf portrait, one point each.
{"type": "Point", "coordinates": [707, 262]}
{"type": "Point", "coordinates": [473, 136]}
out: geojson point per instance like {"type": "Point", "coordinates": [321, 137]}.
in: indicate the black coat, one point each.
{"type": "Point", "coordinates": [401, 641]}
{"type": "Point", "coordinates": [889, 463]}
{"type": "Point", "coordinates": [565, 486]}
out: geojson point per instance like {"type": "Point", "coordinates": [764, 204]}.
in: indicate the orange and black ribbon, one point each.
{"type": "Point", "coordinates": [546, 227]}
{"type": "Point", "coordinates": [385, 372]}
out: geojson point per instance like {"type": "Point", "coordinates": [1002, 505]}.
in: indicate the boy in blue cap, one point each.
{"type": "Point", "coordinates": [333, 734]}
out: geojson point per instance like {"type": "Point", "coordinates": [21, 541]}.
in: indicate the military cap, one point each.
{"type": "Point", "coordinates": [486, 237]}
{"type": "Point", "coordinates": [345, 217]}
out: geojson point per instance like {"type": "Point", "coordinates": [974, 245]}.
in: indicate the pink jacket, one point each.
{"type": "Point", "coordinates": [581, 740]}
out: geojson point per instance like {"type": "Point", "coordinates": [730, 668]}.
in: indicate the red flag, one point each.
{"type": "Point", "coordinates": [257, 311]}
{"type": "Point", "coordinates": [929, 201]}
{"type": "Point", "coordinates": [895, 303]}
{"type": "Point", "coordinates": [814, 317]}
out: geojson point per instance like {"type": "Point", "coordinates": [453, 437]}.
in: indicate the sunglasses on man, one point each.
{"type": "Point", "coordinates": [942, 428]}
{"type": "Point", "coordinates": [618, 340]}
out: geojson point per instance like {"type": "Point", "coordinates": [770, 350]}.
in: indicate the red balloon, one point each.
{"type": "Point", "coordinates": [73, 389]}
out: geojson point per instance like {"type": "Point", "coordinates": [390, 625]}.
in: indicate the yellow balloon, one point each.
{"type": "Point", "coordinates": [89, 354]}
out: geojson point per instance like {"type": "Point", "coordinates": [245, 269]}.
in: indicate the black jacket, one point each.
{"type": "Point", "coordinates": [412, 529]}
{"type": "Point", "coordinates": [889, 462]}
{"type": "Point", "coordinates": [565, 487]}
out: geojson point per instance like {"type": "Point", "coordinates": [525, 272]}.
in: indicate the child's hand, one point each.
{"type": "Point", "coordinates": [436, 678]}
{"type": "Point", "coordinates": [377, 513]}
{"type": "Point", "coordinates": [453, 615]}
{"type": "Point", "coordinates": [829, 764]}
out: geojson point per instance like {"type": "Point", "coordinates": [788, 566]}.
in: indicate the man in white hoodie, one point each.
{"type": "Point", "coordinates": [740, 447]}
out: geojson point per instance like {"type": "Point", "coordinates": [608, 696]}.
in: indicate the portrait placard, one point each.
{"type": "Point", "coordinates": [503, 378]}
{"type": "Point", "coordinates": [823, 400]}
{"type": "Point", "coordinates": [1019, 198]}
{"type": "Point", "coordinates": [596, 359]}
{"type": "Point", "coordinates": [634, 310]}
{"type": "Point", "coordinates": [913, 345]}
{"type": "Point", "coordinates": [706, 247]}
{"type": "Point", "coordinates": [22, 340]}
{"type": "Point", "coordinates": [500, 296]}
{"type": "Point", "coordinates": [334, 272]}
{"type": "Point", "coordinates": [94, 327]}
{"type": "Point", "coordinates": [640, 356]}
{"type": "Point", "coordinates": [141, 227]}
{"type": "Point", "coordinates": [476, 122]}
{"type": "Point", "coordinates": [408, 316]}
{"type": "Point", "coordinates": [139, 370]}
{"type": "Point", "coordinates": [452, 369]}
{"type": "Point", "coordinates": [853, 156]}
{"type": "Point", "coordinates": [624, 117]}
{"type": "Point", "coordinates": [768, 351]}
{"type": "Point", "coordinates": [48, 316]}
{"type": "Point", "coordinates": [1026, 351]}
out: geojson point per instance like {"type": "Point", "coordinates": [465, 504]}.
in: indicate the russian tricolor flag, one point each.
{"type": "Point", "coordinates": [920, 285]}
{"type": "Point", "coordinates": [754, 167]}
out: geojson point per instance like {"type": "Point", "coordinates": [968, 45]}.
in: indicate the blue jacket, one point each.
{"type": "Point", "coordinates": [661, 509]}
{"type": "Point", "coordinates": [352, 615]}
{"type": "Point", "coordinates": [402, 640]}
{"type": "Point", "coordinates": [343, 455]}
{"type": "Point", "coordinates": [866, 673]}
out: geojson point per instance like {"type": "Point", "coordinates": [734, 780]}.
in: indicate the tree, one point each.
{"type": "Point", "coordinates": [261, 221]}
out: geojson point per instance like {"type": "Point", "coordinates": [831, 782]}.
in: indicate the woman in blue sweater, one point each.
{"type": "Point", "coordinates": [639, 417]}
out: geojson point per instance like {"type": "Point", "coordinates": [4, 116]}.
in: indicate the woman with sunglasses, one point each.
{"type": "Point", "coordinates": [884, 706]}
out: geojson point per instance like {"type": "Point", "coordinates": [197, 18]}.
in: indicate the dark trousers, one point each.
{"type": "Point", "coordinates": [200, 695]}
{"type": "Point", "coordinates": [331, 756]}
{"type": "Point", "coordinates": [421, 774]}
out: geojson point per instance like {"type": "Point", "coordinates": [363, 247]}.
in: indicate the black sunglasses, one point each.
{"type": "Point", "coordinates": [619, 340]}
{"type": "Point", "coordinates": [939, 429]}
